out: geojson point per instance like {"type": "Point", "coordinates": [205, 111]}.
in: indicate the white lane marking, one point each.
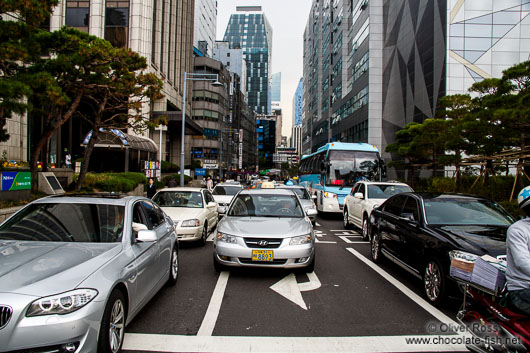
{"type": "Point", "coordinates": [210, 237]}
{"type": "Point", "coordinates": [416, 298]}
{"type": "Point", "coordinates": [230, 344]}
{"type": "Point", "coordinates": [319, 233]}
{"type": "Point", "coordinates": [359, 242]}
{"type": "Point", "coordinates": [346, 240]}
{"type": "Point", "coordinates": [317, 224]}
{"type": "Point", "coordinates": [351, 232]}
{"type": "Point", "coordinates": [208, 323]}
{"type": "Point", "coordinates": [314, 283]}
{"type": "Point", "coordinates": [324, 241]}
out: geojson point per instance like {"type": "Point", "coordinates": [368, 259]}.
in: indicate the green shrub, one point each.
{"type": "Point", "coordinates": [112, 182]}
{"type": "Point", "coordinates": [168, 167]}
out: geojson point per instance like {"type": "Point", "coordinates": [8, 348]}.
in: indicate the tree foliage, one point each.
{"type": "Point", "coordinates": [496, 119]}
{"type": "Point", "coordinates": [20, 46]}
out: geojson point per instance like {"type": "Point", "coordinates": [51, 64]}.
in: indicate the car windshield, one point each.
{"type": "Point", "coordinates": [301, 192]}
{"type": "Point", "coordinates": [266, 205]}
{"type": "Point", "coordinates": [66, 222]}
{"type": "Point", "coordinates": [226, 190]}
{"type": "Point", "coordinates": [192, 199]}
{"type": "Point", "coordinates": [382, 191]}
{"type": "Point", "coordinates": [465, 211]}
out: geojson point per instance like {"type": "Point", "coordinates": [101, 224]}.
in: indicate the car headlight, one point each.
{"type": "Point", "coordinates": [300, 240]}
{"type": "Point", "coordinates": [190, 223]}
{"type": "Point", "coordinates": [226, 238]}
{"type": "Point", "coordinates": [330, 195]}
{"type": "Point", "coordinates": [63, 303]}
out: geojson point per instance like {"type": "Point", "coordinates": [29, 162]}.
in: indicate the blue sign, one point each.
{"type": "Point", "coordinates": [200, 172]}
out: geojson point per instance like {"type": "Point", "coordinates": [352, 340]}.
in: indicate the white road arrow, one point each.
{"type": "Point", "coordinates": [292, 290]}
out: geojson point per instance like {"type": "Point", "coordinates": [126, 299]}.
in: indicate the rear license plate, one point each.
{"type": "Point", "coordinates": [262, 255]}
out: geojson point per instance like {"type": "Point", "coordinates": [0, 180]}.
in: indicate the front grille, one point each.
{"type": "Point", "coordinates": [247, 260]}
{"type": "Point", "coordinates": [266, 243]}
{"type": "Point", "coordinates": [5, 315]}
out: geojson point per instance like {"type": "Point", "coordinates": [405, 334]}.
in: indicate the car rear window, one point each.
{"type": "Point", "coordinates": [226, 190]}
{"type": "Point", "coordinates": [66, 222]}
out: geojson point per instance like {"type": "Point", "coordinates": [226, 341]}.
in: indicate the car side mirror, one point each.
{"type": "Point", "coordinates": [221, 209]}
{"type": "Point", "coordinates": [146, 236]}
{"type": "Point", "coordinates": [358, 195]}
{"type": "Point", "coordinates": [311, 212]}
{"type": "Point", "coordinates": [408, 217]}
{"type": "Point", "coordinates": [211, 204]}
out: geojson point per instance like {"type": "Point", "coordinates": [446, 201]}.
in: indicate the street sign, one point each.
{"type": "Point", "coordinates": [200, 172]}
{"type": "Point", "coordinates": [16, 181]}
{"type": "Point", "coordinates": [210, 166]}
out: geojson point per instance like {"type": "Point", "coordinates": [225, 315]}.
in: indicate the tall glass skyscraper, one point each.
{"type": "Point", "coordinates": [276, 91]}
{"type": "Point", "coordinates": [250, 30]}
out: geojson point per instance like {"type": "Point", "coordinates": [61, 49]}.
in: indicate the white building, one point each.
{"type": "Point", "coordinates": [205, 25]}
{"type": "Point", "coordinates": [233, 59]}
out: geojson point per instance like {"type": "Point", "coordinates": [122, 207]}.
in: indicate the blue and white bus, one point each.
{"type": "Point", "coordinates": [334, 168]}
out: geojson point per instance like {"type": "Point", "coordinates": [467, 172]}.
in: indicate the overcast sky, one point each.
{"type": "Point", "coordinates": [288, 19]}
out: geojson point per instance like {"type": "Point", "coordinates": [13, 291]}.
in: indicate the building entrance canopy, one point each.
{"type": "Point", "coordinates": [113, 138]}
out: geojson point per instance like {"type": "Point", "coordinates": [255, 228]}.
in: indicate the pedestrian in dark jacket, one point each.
{"type": "Point", "coordinates": [151, 188]}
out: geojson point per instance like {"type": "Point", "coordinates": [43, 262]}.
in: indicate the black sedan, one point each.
{"type": "Point", "coordinates": [418, 230]}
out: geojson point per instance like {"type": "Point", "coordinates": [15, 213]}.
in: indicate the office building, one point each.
{"type": "Point", "coordinates": [250, 30]}
{"type": "Point", "coordinates": [276, 91]}
{"type": "Point", "coordinates": [372, 66]}
{"type": "Point", "coordinates": [298, 101]}
{"type": "Point", "coordinates": [338, 73]}
{"type": "Point", "coordinates": [296, 139]}
{"type": "Point", "coordinates": [266, 134]}
{"type": "Point", "coordinates": [233, 59]}
{"type": "Point", "coordinates": [205, 25]}
{"type": "Point", "coordinates": [159, 30]}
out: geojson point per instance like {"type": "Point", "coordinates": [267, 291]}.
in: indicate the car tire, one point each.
{"type": "Point", "coordinates": [204, 235]}
{"type": "Point", "coordinates": [346, 221]}
{"type": "Point", "coordinates": [375, 248]}
{"type": "Point", "coordinates": [217, 266]}
{"type": "Point", "coordinates": [434, 282]}
{"type": "Point", "coordinates": [112, 329]}
{"type": "Point", "coordinates": [173, 267]}
{"type": "Point", "coordinates": [365, 228]}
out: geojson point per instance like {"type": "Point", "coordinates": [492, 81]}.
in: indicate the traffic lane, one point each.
{"type": "Point", "coordinates": [334, 222]}
{"type": "Point", "coordinates": [179, 310]}
{"type": "Point", "coordinates": [352, 301]}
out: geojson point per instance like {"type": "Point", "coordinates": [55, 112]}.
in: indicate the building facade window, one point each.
{"type": "Point", "coordinates": [78, 14]}
{"type": "Point", "coordinates": [117, 23]}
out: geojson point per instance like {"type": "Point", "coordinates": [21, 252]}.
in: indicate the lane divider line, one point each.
{"type": "Point", "coordinates": [210, 318]}
{"type": "Point", "coordinates": [416, 298]}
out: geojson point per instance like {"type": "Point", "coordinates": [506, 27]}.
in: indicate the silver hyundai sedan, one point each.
{"type": "Point", "coordinates": [265, 228]}
{"type": "Point", "coordinates": [74, 271]}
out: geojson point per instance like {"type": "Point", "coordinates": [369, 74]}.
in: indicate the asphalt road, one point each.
{"type": "Point", "coordinates": [348, 304]}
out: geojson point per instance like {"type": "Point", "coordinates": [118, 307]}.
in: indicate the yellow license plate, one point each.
{"type": "Point", "coordinates": [262, 255]}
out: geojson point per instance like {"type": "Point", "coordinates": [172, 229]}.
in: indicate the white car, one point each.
{"type": "Point", "coordinates": [193, 210]}
{"type": "Point", "coordinates": [223, 193]}
{"type": "Point", "coordinates": [364, 197]}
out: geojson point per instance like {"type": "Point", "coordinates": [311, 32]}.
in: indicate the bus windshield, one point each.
{"type": "Point", "coordinates": [348, 167]}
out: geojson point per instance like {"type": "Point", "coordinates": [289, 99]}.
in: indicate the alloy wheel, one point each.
{"type": "Point", "coordinates": [432, 281]}
{"type": "Point", "coordinates": [365, 229]}
{"type": "Point", "coordinates": [116, 326]}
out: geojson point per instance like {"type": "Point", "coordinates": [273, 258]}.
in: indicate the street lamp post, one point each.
{"type": "Point", "coordinates": [192, 77]}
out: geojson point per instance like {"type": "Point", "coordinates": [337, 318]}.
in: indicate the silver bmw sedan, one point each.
{"type": "Point", "coordinates": [74, 271]}
{"type": "Point", "coordinates": [265, 228]}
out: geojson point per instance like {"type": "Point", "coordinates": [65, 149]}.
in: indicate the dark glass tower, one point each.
{"type": "Point", "coordinates": [250, 30]}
